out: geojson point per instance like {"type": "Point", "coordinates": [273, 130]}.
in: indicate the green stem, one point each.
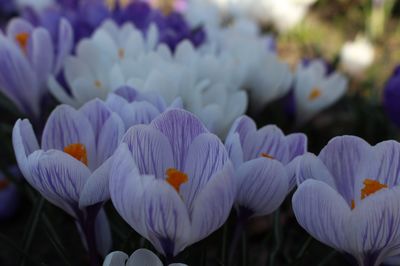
{"type": "Point", "coordinates": [244, 248]}
{"type": "Point", "coordinates": [224, 243]}
{"type": "Point", "coordinates": [278, 238]}
{"type": "Point", "coordinates": [9, 243]}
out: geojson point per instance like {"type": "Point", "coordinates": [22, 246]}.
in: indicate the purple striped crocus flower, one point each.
{"type": "Point", "coordinates": [264, 163]}
{"type": "Point", "coordinates": [349, 198]}
{"type": "Point", "coordinates": [172, 181]}
{"type": "Point", "coordinates": [136, 107]}
{"type": "Point", "coordinates": [28, 56]}
{"type": "Point", "coordinates": [74, 155]}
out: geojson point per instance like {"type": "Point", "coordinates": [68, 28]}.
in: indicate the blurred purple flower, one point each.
{"type": "Point", "coordinates": [348, 198]}
{"type": "Point", "coordinates": [264, 163]}
{"type": "Point", "coordinates": [86, 16]}
{"type": "Point", "coordinates": [138, 107]}
{"type": "Point", "coordinates": [27, 58]}
{"type": "Point", "coordinates": [172, 181]}
{"type": "Point", "coordinates": [391, 97]}
{"type": "Point", "coordinates": [74, 155]}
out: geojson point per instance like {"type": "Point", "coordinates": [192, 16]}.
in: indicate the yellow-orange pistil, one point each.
{"type": "Point", "coordinates": [314, 94]}
{"type": "Point", "coordinates": [370, 187]}
{"type": "Point", "coordinates": [266, 155]}
{"type": "Point", "coordinates": [22, 39]}
{"type": "Point", "coordinates": [78, 151]}
{"type": "Point", "coordinates": [176, 178]}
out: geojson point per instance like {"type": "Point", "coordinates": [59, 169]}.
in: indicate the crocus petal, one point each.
{"type": "Point", "coordinates": [205, 157]}
{"type": "Point", "coordinates": [67, 126]}
{"type": "Point", "coordinates": [262, 185]}
{"type": "Point", "coordinates": [17, 26]}
{"type": "Point", "coordinates": [372, 229]}
{"type": "Point", "coordinates": [234, 149]}
{"type": "Point", "coordinates": [58, 177]}
{"type": "Point", "coordinates": [213, 204]}
{"type": "Point", "coordinates": [138, 113]}
{"type": "Point", "coordinates": [297, 144]}
{"type": "Point", "coordinates": [269, 140]}
{"type": "Point", "coordinates": [65, 44]}
{"type": "Point", "coordinates": [342, 157]}
{"type": "Point", "coordinates": [243, 126]}
{"type": "Point", "coordinates": [96, 189]}
{"type": "Point", "coordinates": [322, 212]}
{"type": "Point", "coordinates": [143, 257]}
{"type": "Point", "coordinates": [103, 233]}
{"type": "Point", "coordinates": [180, 127]}
{"type": "Point", "coordinates": [151, 150]}
{"type": "Point", "coordinates": [127, 188]}
{"type": "Point", "coordinates": [166, 218]}
{"type": "Point", "coordinates": [24, 143]}
{"type": "Point", "coordinates": [116, 258]}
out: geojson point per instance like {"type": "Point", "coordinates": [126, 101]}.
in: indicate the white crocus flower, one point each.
{"type": "Point", "coordinates": [357, 56]}
{"type": "Point", "coordinates": [141, 257]}
{"type": "Point", "coordinates": [315, 89]}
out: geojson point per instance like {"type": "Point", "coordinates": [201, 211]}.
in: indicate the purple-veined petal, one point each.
{"type": "Point", "coordinates": [151, 150]}
{"type": "Point", "coordinates": [127, 187]}
{"type": "Point", "coordinates": [17, 26]}
{"type": "Point", "coordinates": [65, 44]}
{"type": "Point", "coordinates": [67, 126]}
{"type": "Point", "coordinates": [138, 113]}
{"type": "Point", "coordinates": [297, 144]}
{"type": "Point", "coordinates": [373, 229]}
{"type": "Point", "coordinates": [205, 157]}
{"type": "Point", "coordinates": [58, 177]}
{"type": "Point", "coordinates": [262, 185]}
{"type": "Point", "coordinates": [166, 218]}
{"type": "Point", "coordinates": [41, 56]}
{"type": "Point", "coordinates": [180, 127]}
{"type": "Point", "coordinates": [267, 140]}
{"type": "Point", "coordinates": [24, 143]}
{"type": "Point", "coordinates": [322, 212]}
{"type": "Point", "coordinates": [213, 204]}
{"type": "Point", "coordinates": [234, 149]}
{"type": "Point", "coordinates": [243, 126]}
{"type": "Point", "coordinates": [342, 157]}
{"type": "Point", "coordinates": [96, 189]}
{"type": "Point", "coordinates": [143, 257]}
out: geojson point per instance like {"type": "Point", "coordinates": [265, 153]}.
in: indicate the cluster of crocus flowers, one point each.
{"type": "Point", "coordinates": [348, 198]}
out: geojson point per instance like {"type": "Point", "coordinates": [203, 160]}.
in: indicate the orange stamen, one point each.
{"type": "Point", "coordinates": [4, 183]}
{"type": "Point", "coordinates": [176, 178]}
{"type": "Point", "coordinates": [314, 94]}
{"type": "Point", "coordinates": [370, 187]}
{"type": "Point", "coordinates": [78, 151]}
{"type": "Point", "coordinates": [22, 39]}
{"type": "Point", "coordinates": [98, 83]}
{"type": "Point", "coordinates": [266, 155]}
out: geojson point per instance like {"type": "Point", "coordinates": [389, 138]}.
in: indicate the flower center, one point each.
{"type": "Point", "coordinates": [98, 84]}
{"type": "Point", "coordinates": [370, 187]}
{"type": "Point", "coordinates": [4, 183]}
{"type": "Point", "coordinates": [314, 94]}
{"type": "Point", "coordinates": [266, 155]}
{"type": "Point", "coordinates": [78, 151]}
{"type": "Point", "coordinates": [22, 40]}
{"type": "Point", "coordinates": [121, 53]}
{"type": "Point", "coordinates": [176, 178]}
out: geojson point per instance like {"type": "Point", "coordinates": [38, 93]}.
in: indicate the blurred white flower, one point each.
{"type": "Point", "coordinates": [141, 257]}
{"type": "Point", "coordinates": [356, 56]}
{"type": "Point", "coordinates": [315, 89]}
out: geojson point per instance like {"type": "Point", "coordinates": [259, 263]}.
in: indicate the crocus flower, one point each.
{"type": "Point", "coordinates": [348, 198]}
{"type": "Point", "coordinates": [391, 96]}
{"type": "Point", "coordinates": [136, 107]}
{"type": "Point", "coordinates": [315, 89]}
{"type": "Point", "coordinates": [74, 154]}
{"type": "Point", "coordinates": [140, 257]}
{"type": "Point", "coordinates": [356, 56]}
{"type": "Point", "coordinates": [9, 198]}
{"type": "Point", "coordinates": [27, 57]}
{"type": "Point", "coordinates": [172, 181]}
{"type": "Point", "coordinates": [264, 165]}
